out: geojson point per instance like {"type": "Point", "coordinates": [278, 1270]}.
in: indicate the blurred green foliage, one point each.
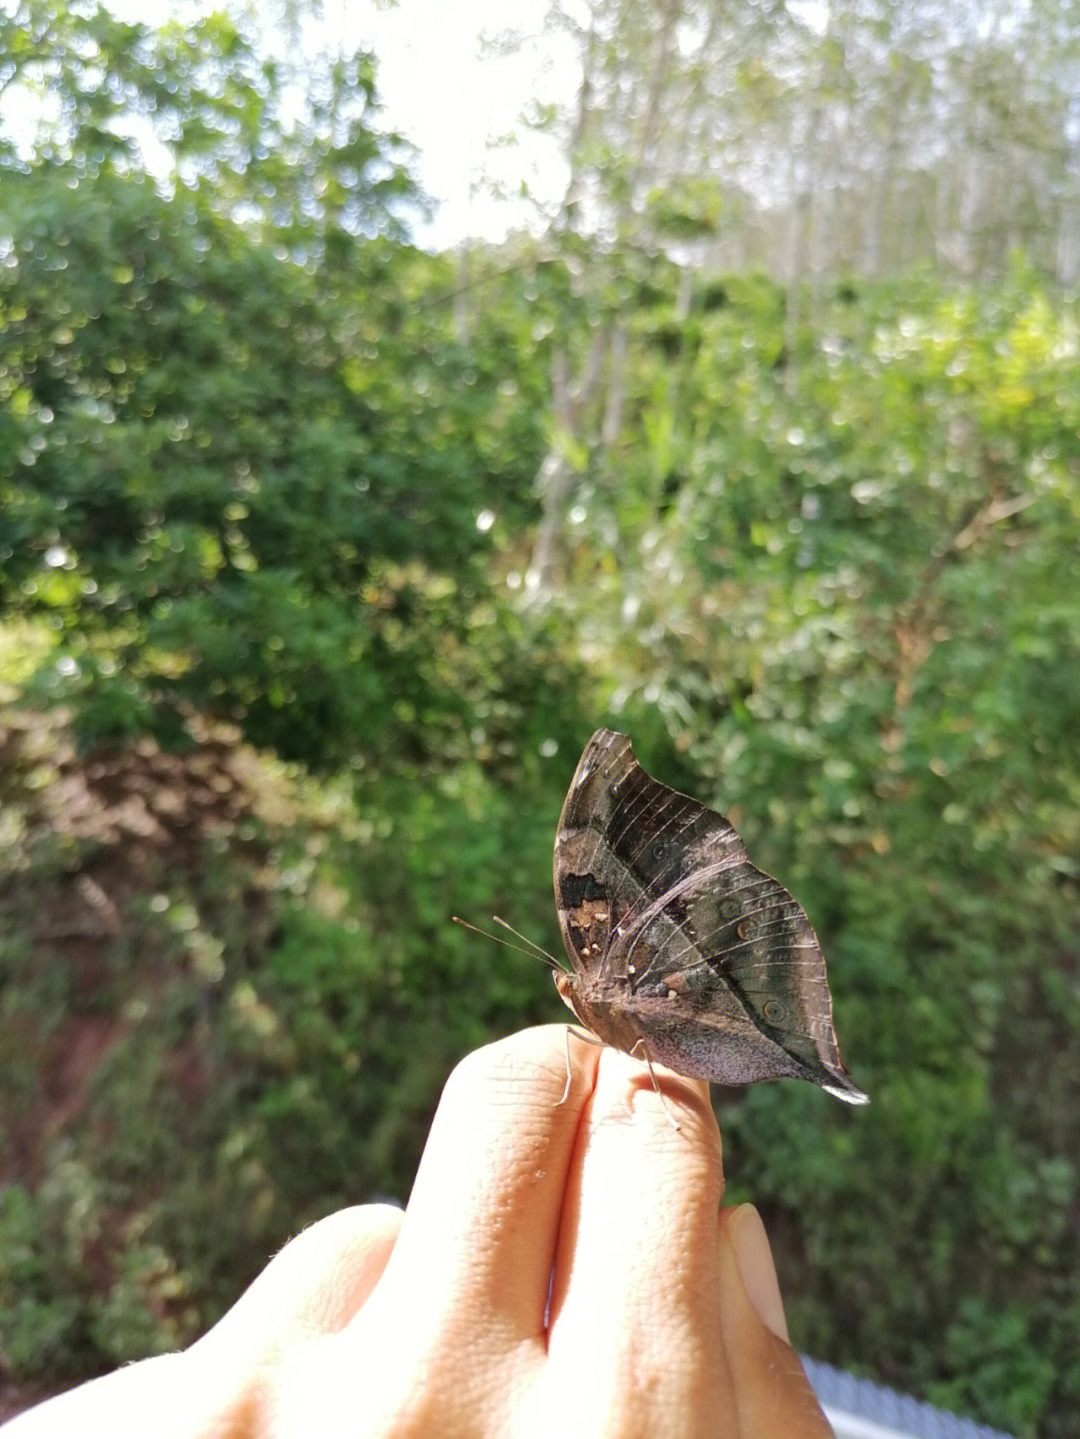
{"type": "Point", "coordinates": [267, 466]}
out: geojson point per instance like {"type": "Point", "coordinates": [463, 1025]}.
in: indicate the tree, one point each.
{"type": "Point", "coordinates": [222, 479]}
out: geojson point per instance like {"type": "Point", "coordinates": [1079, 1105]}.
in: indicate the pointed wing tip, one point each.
{"type": "Point", "coordinates": [850, 1095]}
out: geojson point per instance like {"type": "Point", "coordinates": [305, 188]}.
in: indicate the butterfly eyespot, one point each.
{"type": "Point", "coordinates": [659, 848]}
{"type": "Point", "coordinates": [774, 1011]}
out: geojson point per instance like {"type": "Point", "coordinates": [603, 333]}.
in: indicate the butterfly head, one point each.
{"type": "Point", "coordinates": [600, 1008]}
{"type": "Point", "coordinates": [566, 984]}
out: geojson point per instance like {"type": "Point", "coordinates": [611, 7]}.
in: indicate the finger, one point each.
{"type": "Point", "coordinates": [313, 1286]}
{"type": "Point", "coordinates": [636, 1266]}
{"type": "Point", "coordinates": [219, 1385]}
{"type": "Point", "coordinates": [771, 1391]}
{"type": "Point", "coordinates": [756, 1269]}
{"type": "Point", "coordinates": [309, 1291]}
{"type": "Point", "coordinates": [154, 1396]}
{"type": "Point", "coordinates": [479, 1232]}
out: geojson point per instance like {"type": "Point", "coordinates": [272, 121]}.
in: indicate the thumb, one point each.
{"type": "Point", "coordinates": [772, 1392]}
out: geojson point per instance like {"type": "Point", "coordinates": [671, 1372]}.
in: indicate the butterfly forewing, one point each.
{"type": "Point", "coordinates": [621, 828]}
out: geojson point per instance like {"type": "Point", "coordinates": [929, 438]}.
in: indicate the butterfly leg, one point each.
{"type": "Point", "coordinates": [578, 1034]}
{"type": "Point", "coordinates": [566, 1086]}
{"type": "Point", "coordinates": [640, 1051]}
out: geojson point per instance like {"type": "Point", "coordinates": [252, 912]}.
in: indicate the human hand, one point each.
{"type": "Point", "coordinates": [562, 1269]}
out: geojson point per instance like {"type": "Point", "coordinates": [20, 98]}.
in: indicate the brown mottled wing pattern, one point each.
{"type": "Point", "coordinates": [680, 946]}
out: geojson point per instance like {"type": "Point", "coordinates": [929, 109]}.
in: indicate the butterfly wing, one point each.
{"type": "Point", "coordinates": [678, 941]}
{"type": "Point", "coordinates": [615, 822]}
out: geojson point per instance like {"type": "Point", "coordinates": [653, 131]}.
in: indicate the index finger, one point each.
{"type": "Point", "coordinates": [479, 1232]}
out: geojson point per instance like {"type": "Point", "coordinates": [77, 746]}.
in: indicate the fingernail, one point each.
{"type": "Point", "coordinates": [756, 1268]}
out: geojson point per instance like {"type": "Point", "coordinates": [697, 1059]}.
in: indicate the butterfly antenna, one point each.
{"type": "Point", "coordinates": [534, 951]}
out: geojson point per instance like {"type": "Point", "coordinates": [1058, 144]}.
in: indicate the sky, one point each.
{"type": "Point", "coordinates": [447, 97]}
{"type": "Point", "coordinates": [454, 103]}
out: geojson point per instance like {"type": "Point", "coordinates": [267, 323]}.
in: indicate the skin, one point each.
{"type": "Point", "coordinates": [665, 1318]}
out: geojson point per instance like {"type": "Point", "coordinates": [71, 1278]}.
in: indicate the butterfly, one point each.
{"type": "Point", "coordinates": [681, 950]}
